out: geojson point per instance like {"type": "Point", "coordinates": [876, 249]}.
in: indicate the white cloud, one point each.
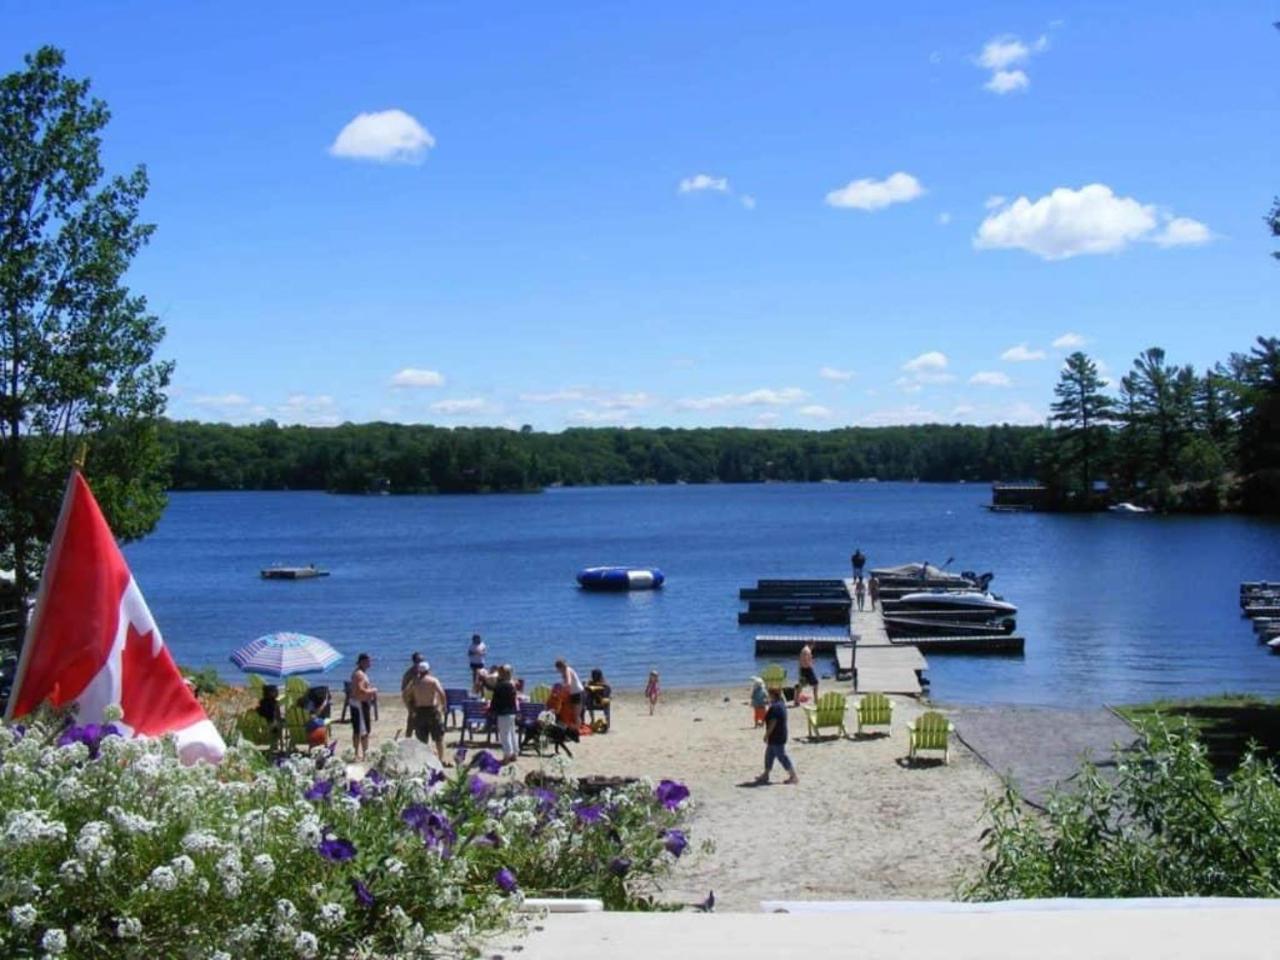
{"type": "Point", "coordinates": [817, 411]}
{"type": "Point", "coordinates": [625, 401]}
{"type": "Point", "coordinates": [944, 218]}
{"type": "Point", "coordinates": [704, 181]}
{"type": "Point", "coordinates": [312, 411]}
{"type": "Point", "coordinates": [927, 368]}
{"type": "Point", "coordinates": [962, 410]}
{"type": "Point", "coordinates": [599, 417]}
{"type": "Point", "coordinates": [555, 396]}
{"type": "Point", "coordinates": [748, 201]}
{"type": "Point", "coordinates": [933, 360]}
{"type": "Point", "coordinates": [1022, 354]}
{"type": "Point", "coordinates": [869, 194]}
{"type": "Point", "coordinates": [831, 373]}
{"type": "Point", "coordinates": [388, 136]}
{"type": "Point", "coordinates": [1069, 341]}
{"type": "Point", "coordinates": [787, 396]}
{"type": "Point", "coordinates": [1183, 232]}
{"type": "Point", "coordinates": [1007, 81]}
{"type": "Point", "coordinates": [1067, 223]}
{"type": "Point", "coordinates": [412, 377]}
{"type": "Point", "coordinates": [991, 378]}
{"type": "Point", "coordinates": [460, 407]}
{"type": "Point", "coordinates": [993, 201]}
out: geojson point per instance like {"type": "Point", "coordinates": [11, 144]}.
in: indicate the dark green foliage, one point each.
{"type": "Point", "coordinates": [1165, 827]}
{"type": "Point", "coordinates": [1083, 414]}
{"type": "Point", "coordinates": [206, 681]}
{"type": "Point", "coordinates": [76, 345]}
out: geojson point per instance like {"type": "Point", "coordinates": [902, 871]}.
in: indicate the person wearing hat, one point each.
{"type": "Point", "coordinates": [428, 702]}
{"type": "Point", "coordinates": [759, 700]}
{"type": "Point", "coordinates": [405, 679]}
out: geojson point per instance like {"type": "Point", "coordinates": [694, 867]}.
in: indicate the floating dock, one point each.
{"type": "Point", "coordinates": [293, 573]}
{"type": "Point", "coordinates": [840, 648]}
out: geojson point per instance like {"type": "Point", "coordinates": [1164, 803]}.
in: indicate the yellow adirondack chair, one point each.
{"type": "Point", "coordinates": [540, 693]}
{"type": "Point", "coordinates": [774, 676]}
{"type": "Point", "coordinates": [829, 712]}
{"type": "Point", "coordinates": [930, 731]}
{"type": "Point", "coordinates": [875, 710]}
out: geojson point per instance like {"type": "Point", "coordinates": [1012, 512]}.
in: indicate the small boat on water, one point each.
{"type": "Point", "coordinates": [908, 626]}
{"type": "Point", "coordinates": [281, 572]}
{"type": "Point", "coordinates": [620, 578]}
{"type": "Point", "coordinates": [1127, 507]}
{"type": "Point", "coordinates": [955, 600]}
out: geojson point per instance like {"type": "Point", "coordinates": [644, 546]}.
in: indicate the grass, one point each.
{"type": "Point", "coordinates": [1227, 724]}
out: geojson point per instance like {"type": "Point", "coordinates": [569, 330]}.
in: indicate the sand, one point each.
{"type": "Point", "coordinates": [861, 824]}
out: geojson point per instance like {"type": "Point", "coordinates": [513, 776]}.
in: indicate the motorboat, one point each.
{"type": "Point", "coordinates": [954, 600]}
{"type": "Point", "coordinates": [620, 578]}
{"type": "Point", "coordinates": [907, 626]}
{"type": "Point", "coordinates": [1127, 507]}
{"type": "Point", "coordinates": [922, 574]}
{"type": "Point", "coordinates": [280, 572]}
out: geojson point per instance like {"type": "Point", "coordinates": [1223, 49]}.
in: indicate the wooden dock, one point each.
{"type": "Point", "coordinates": [879, 664]}
{"type": "Point", "coordinates": [840, 648]}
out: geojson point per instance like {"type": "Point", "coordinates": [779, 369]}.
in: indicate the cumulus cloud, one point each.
{"type": "Point", "coordinates": [554, 396]}
{"type": "Point", "coordinates": [933, 360]}
{"type": "Point", "coordinates": [817, 411]}
{"type": "Point", "coordinates": [460, 407]}
{"type": "Point", "coordinates": [871, 194]}
{"type": "Point", "coordinates": [414, 378]}
{"type": "Point", "coordinates": [927, 368]}
{"type": "Point", "coordinates": [388, 136]}
{"type": "Point", "coordinates": [993, 201]}
{"type": "Point", "coordinates": [1069, 341]}
{"type": "Point", "coordinates": [221, 400]}
{"type": "Point", "coordinates": [1067, 223]}
{"type": "Point", "coordinates": [1004, 56]}
{"type": "Point", "coordinates": [625, 401]}
{"type": "Point", "coordinates": [1007, 81]}
{"type": "Point", "coordinates": [1022, 354]}
{"type": "Point", "coordinates": [832, 373]}
{"type": "Point", "coordinates": [764, 397]}
{"type": "Point", "coordinates": [991, 378]}
{"type": "Point", "coordinates": [599, 417]}
{"type": "Point", "coordinates": [704, 181]}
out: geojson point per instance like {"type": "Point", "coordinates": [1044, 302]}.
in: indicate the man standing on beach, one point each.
{"type": "Point", "coordinates": [427, 704]}
{"type": "Point", "coordinates": [775, 739]}
{"type": "Point", "coordinates": [858, 560]}
{"type": "Point", "coordinates": [405, 679]}
{"type": "Point", "coordinates": [362, 694]}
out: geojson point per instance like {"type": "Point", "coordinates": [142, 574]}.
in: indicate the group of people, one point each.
{"type": "Point", "coordinates": [863, 589]}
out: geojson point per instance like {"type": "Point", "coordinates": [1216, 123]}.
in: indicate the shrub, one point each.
{"type": "Point", "coordinates": [1164, 828]}
{"type": "Point", "coordinates": [111, 847]}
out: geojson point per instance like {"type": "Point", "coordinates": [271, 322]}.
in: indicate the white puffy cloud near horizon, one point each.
{"type": "Point", "coordinates": [991, 378]}
{"type": "Point", "coordinates": [1022, 354]}
{"type": "Point", "coordinates": [704, 181]}
{"type": "Point", "coordinates": [817, 411]}
{"type": "Point", "coordinates": [932, 360]}
{"type": "Point", "coordinates": [870, 194]}
{"type": "Point", "coordinates": [1066, 223]}
{"type": "Point", "coordinates": [385, 136]}
{"type": "Point", "coordinates": [1069, 341]}
{"type": "Point", "coordinates": [786, 396]}
{"type": "Point", "coordinates": [925, 369]}
{"type": "Point", "coordinates": [835, 374]}
{"type": "Point", "coordinates": [311, 410]}
{"type": "Point", "coordinates": [416, 378]}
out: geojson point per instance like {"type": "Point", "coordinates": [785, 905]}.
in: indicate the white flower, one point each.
{"type": "Point", "coordinates": [231, 886]}
{"type": "Point", "coordinates": [23, 916]}
{"type": "Point", "coordinates": [202, 886]}
{"type": "Point", "coordinates": [72, 871]}
{"type": "Point", "coordinates": [201, 841]}
{"type": "Point", "coordinates": [263, 866]}
{"type": "Point", "coordinates": [183, 865]}
{"type": "Point", "coordinates": [112, 713]}
{"type": "Point", "coordinates": [129, 928]}
{"type": "Point", "coordinates": [332, 915]}
{"type": "Point", "coordinates": [163, 879]}
{"type": "Point", "coordinates": [285, 909]}
{"type": "Point", "coordinates": [219, 955]}
{"type": "Point", "coordinates": [26, 827]}
{"type": "Point", "coordinates": [309, 832]}
{"type": "Point", "coordinates": [399, 918]}
{"type": "Point", "coordinates": [306, 945]}
{"type": "Point", "coordinates": [349, 805]}
{"type": "Point", "coordinates": [230, 866]}
{"type": "Point", "coordinates": [394, 866]}
{"type": "Point", "coordinates": [91, 837]}
{"type": "Point", "coordinates": [54, 941]}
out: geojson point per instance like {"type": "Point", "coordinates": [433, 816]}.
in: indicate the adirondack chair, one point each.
{"type": "Point", "coordinates": [295, 688]}
{"type": "Point", "coordinates": [774, 675]}
{"type": "Point", "coordinates": [295, 727]}
{"type": "Point", "coordinates": [875, 710]}
{"type": "Point", "coordinates": [456, 696]}
{"type": "Point", "coordinates": [930, 731]}
{"type": "Point", "coordinates": [254, 685]}
{"type": "Point", "coordinates": [540, 693]}
{"type": "Point", "coordinates": [254, 728]}
{"type": "Point", "coordinates": [529, 728]}
{"type": "Point", "coordinates": [829, 712]}
{"type": "Point", "coordinates": [475, 720]}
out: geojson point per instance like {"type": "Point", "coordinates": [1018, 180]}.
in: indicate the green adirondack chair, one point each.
{"type": "Point", "coordinates": [875, 710]}
{"type": "Point", "coordinates": [829, 712]}
{"type": "Point", "coordinates": [295, 727]}
{"type": "Point", "coordinates": [295, 688]}
{"type": "Point", "coordinates": [930, 731]}
{"type": "Point", "coordinates": [774, 676]}
{"type": "Point", "coordinates": [254, 684]}
{"type": "Point", "coordinates": [254, 728]}
{"type": "Point", "coordinates": [541, 693]}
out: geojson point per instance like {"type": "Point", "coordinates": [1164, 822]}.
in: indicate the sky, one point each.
{"type": "Point", "coordinates": [608, 213]}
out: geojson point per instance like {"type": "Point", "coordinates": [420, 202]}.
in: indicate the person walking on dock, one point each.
{"type": "Point", "coordinates": [858, 560]}
{"type": "Point", "coordinates": [860, 592]}
{"type": "Point", "coordinates": [405, 679]}
{"type": "Point", "coordinates": [807, 675]}
{"type": "Point", "coordinates": [775, 739]}
{"type": "Point", "coordinates": [873, 590]}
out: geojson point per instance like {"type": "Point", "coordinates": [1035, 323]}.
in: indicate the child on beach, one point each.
{"type": "Point", "coordinates": [759, 700]}
{"type": "Point", "coordinates": [651, 690]}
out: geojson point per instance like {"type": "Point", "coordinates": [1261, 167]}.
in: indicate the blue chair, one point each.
{"type": "Point", "coordinates": [594, 703]}
{"type": "Point", "coordinates": [528, 727]}
{"type": "Point", "coordinates": [476, 720]}
{"type": "Point", "coordinates": [457, 696]}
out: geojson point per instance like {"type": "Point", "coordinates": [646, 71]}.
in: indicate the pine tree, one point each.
{"type": "Point", "coordinates": [1084, 415]}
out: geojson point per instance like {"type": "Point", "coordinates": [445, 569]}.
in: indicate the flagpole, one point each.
{"type": "Point", "coordinates": [33, 628]}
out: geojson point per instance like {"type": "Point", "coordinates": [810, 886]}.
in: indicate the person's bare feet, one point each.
{"type": "Point", "coordinates": [792, 779]}
{"type": "Point", "coordinates": [762, 779]}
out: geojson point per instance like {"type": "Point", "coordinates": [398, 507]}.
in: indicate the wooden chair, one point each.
{"type": "Point", "coordinates": [930, 731]}
{"type": "Point", "coordinates": [456, 696]}
{"type": "Point", "coordinates": [475, 720]}
{"type": "Point", "coordinates": [828, 712]}
{"type": "Point", "coordinates": [874, 710]}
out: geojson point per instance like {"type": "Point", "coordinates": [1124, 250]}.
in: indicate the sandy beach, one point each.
{"type": "Point", "coordinates": [861, 824]}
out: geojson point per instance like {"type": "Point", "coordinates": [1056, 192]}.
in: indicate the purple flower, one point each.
{"type": "Point", "coordinates": [415, 815]}
{"type": "Point", "coordinates": [671, 793]}
{"type": "Point", "coordinates": [479, 788]}
{"type": "Point", "coordinates": [505, 879]}
{"type": "Point", "coordinates": [355, 790]}
{"type": "Point", "coordinates": [90, 734]}
{"type": "Point", "coordinates": [546, 799]}
{"type": "Point", "coordinates": [588, 813]}
{"type": "Point", "coordinates": [336, 850]}
{"type": "Point", "coordinates": [675, 842]}
{"type": "Point", "coordinates": [460, 756]}
{"type": "Point", "coordinates": [375, 779]}
{"type": "Point", "coordinates": [363, 895]}
{"type": "Point", "coordinates": [619, 866]}
{"type": "Point", "coordinates": [436, 776]}
{"type": "Point", "coordinates": [319, 790]}
{"type": "Point", "coordinates": [490, 839]}
{"type": "Point", "coordinates": [487, 763]}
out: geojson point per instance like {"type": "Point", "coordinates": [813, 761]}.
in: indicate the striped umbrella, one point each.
{"type": "Point", "coordinates": [283, 654]}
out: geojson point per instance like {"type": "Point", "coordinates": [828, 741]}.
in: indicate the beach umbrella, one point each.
{"type": "Point", "coordinates": [284, 654]}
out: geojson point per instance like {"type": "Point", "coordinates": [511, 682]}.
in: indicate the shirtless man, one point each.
{"type": "Point", "coordinates": [428, 703]}
{"type": "Point", "coordinates": [806, 672]}
{"type": "Point", "coordinates": [363, 693]}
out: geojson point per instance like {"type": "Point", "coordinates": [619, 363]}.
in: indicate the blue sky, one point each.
{"type": "Point", "coordinates": [811, 214]}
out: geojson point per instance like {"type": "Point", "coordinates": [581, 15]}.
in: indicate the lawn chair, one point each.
{"type": "Point", "coordinates": [828, 712]}
{"type": "Point", "coordinates": [774, 676]}
{"type": "Point", "coordinates": [254, 727]}
{"type": "Point", "coordinates": [529, 728]}
{"type": "Point", "coordinates": [254, 685]}
{"type": "Point", "coordinates": [594, 704]}
{"type": "Point", "coordinates": [875, 710]}
{"type": "Point", "coordinates": [456, 696]}
{"type": "Point", "coordinates": [540, 693]}
{"type": "Point", "coordinates": [930, 731]}
{"type": "Point", "coordinates": [296, 719]}
{"type": "Point", "coordinates": [295, 688]}
{"type": "Point", "coordinates": [475, 720]}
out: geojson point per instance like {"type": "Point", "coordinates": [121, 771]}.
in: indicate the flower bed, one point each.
{"type": "Point", "coordinates": [112, 848]}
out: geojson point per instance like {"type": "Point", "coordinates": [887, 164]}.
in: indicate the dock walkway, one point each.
{"type": "Point", "coordinates": [878, 663]}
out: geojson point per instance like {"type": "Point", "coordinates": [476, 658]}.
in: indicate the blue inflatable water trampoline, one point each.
{"type": "Point", "coordinates": [620, 578]}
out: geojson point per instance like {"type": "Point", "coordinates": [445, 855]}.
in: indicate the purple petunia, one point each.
{"type": "Point", "coordinates": [363, 895]}
{"type": "Point", "coordinates": [479, 788]}
{"type": "Point", "coordinates": [671, 793]}
{"type": "Point", "coordinates": [319, 790]}
{"type": "Point", "coordinates": [460, 756]}
{"type": "Point", "coordinates": [433, 826]}
{"type": "Point", "coordinates": [620, 866]}
{"type": "Point", "coordinates": [486, 762]}
{"type": "Point", "coordinates": [505, 879]}
{"type": "Point", "coordinates": [546, 799]}
{"type": "Point", "coordinates": [336, 850]}
{"type": "Point", "coordinates": [588, 813]}
{"type": "Point", "coordinates": [90, 734]}
{"type": "Point", "coordinates": [674, 841]}
{"type": "Point", "coordinates": [436, 776]}
{"type": "Point", "coordinates": [355, 790]}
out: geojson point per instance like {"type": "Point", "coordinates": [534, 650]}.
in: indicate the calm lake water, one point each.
{"type": "Point", "coordinates": [1114, 608]}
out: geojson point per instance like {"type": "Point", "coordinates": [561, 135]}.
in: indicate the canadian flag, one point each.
{"type": "Point", "coordinates": [93, 642]}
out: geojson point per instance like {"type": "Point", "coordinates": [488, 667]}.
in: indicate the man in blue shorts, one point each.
{"type": "Point", "coordinates": [775, 738]}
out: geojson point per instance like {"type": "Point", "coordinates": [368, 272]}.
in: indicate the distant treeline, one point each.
{"type": "Point", "coordinates": [397, 458]}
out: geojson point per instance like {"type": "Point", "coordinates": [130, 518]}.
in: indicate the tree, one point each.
{"type": "Point", "coordinates": [76, 346]}
{"type": "Point", "coordinates": [1084, 414]}
{"type": "Point", "coordinates": [1273, 221]}
{"type": "Point", "coordinates": [1260, 426]}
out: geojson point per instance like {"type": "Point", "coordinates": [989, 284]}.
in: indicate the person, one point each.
{"type": "Point", "coordinates": [407, 678]}
{"type": "Point", "coordinates": [652, 690]}
{"type": "Point", "coordinates": [807, 675]}
{"type": "Point", "coordinates": [504, 709]}
{"type": "Point", "coordinates": [268, 709]}
{"type": "Point", "coordinates": [858, 560]}
{"type": "Point", "coordinates": [573, 688]}
{"type": "Point", "coordinates": [600, 692]}
{"type": "Point", "coordinates": [316, 702]}
{"type": "Point", "coordinates": [363, 693]}
{"type": "Point", "coordinates": [873, 590]}
{"type": "Point", "coordinates": [476, 654]}
{"type": "Point", "coordinates": [860, 592]}
{"type": "Point", "coordinates": [775, 739]}
{"type": "Point", "coordinates": [429, 702]}
{"type": "Point", "coordinates": [759, 700]}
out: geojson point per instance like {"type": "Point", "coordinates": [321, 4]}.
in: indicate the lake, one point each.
{"type": "Point", "coordinates": [1114, 608]}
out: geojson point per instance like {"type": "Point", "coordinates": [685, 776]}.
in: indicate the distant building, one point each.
{"type": "Point", "coordinates": [1019, 495]}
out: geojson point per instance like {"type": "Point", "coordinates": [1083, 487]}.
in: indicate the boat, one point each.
{"type": "Point", "coordinates": [1127, 507]}
{"type": "Point", "coordinates": [907, 626]}
{"type": "Point", "coordinates": [955, 600]}
{"type": "Point", "coordinates": [620, 578]}
{"type": "Point", "coordinates": [281, 572]}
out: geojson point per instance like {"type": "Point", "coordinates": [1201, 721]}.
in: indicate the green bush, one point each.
{"type": "Point", "coordinates": [1165, 827]}
{"type": "Point", "coordinates": [206, 681]}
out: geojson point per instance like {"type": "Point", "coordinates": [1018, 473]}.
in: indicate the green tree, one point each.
{"type": "Point", "coordinates": [1260, 426]}
{"type": "Point", "coordinates": [76, 346]}
{"type": "Point", "coordinates": [1084, 414]}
